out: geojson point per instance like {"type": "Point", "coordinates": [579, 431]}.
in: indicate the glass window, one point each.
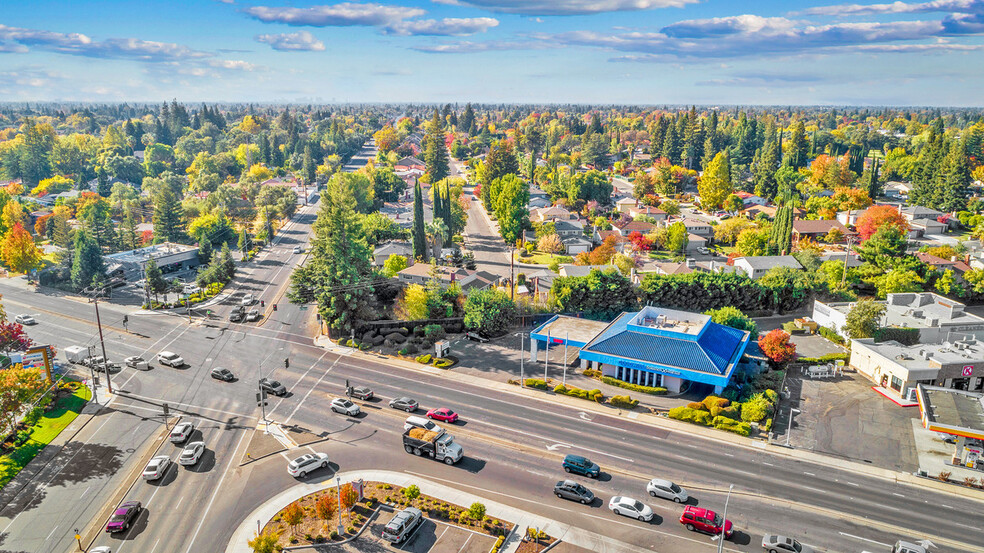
{"type": "Point", "coordinates": [896, 383]}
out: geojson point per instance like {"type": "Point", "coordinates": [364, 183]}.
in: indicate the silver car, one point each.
{"type": "Point", "coordinates": [25, 320]}
{"type": "Point", "coordinates": [344, 407]}
{"type": "Point", "coordinates": [658, 487]}
{"type": "Point", "coordinates": [156, 468]}
{"type": "Point", "coordinates": [192, 453]}
{"type": "Point", "coordinates": [182, 432]}
{"type": "Point", "coordinates": [632, 508]}
{"type": "Point", "coordinates": [774, 543]}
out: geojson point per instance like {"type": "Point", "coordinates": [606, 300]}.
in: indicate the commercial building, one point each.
{"type": "Point", "coordinates": [899, 369]}
{"type": "Point", "coordinates": [169, 256]}
{"type": "Point", "coordinates": [652, 347]}
{"type": "Point", "coordinates": [960, 414]}
{"type": "Point", "coordinates": [937, 318]}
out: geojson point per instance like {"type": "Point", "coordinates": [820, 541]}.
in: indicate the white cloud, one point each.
{"type": "Point", "coordinates": [468, 47]}
{"type": "Point", "coordinates": [567, 7]}
{"type": "Point", "coordinates": [81, 45]}
{"type": "Point", "coordinates": [301, 41]}
{"type": "Point", "coordinates": [442, 27]}
{"type": "Point", "coordinates": [338, 15]}
{"type": "Point", "coordinates": [953, 6]}
{"type": "Point", "coordinates": [237, 65]}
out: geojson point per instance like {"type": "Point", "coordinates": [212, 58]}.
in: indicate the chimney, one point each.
{"type": "Point", "coordinates": [691, 263]}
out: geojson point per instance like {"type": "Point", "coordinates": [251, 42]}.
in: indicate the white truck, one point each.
{"type": "Point", "coordinates": [436, 445]}
{"type": "Point", "coordinates": [77, 354]}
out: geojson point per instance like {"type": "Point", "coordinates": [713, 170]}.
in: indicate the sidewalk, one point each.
{"type": "Point", "coordinates": [522, 519]}
{"type": "Point", "coordinates": [682, 427]}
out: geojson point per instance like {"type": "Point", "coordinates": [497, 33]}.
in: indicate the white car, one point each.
{"type": "Point", "coordinates": [190, 289]}
{"type": "Point", "coordinates": [170, 359]}
{"type": "Point", "coordinates": [25, 320]}
{"type": "Point", "coordinates": [344, 406]}
{"type": "Point", "coordinates": [658, 487]}
{"type": "Point", "coordinates": [248, 299]}
{"type": "Point", "coordinates": [101, 549]}
{"type": "Point", "coordinates": [156, 467]}
{"type": "Point", "coordinates": [182, 432]}
{"type": "Point", "coordinates": [632, 508]}
{"type": "Point", "coordinates": [306, 463]}
{"type": "Point", "coordinates": [192, 453]}
{"type": "Point", "coordinates": [298, 249]}
{"type": "Point", "coordinates": [703, 251]}
{"type": "Point", "coordinates": [136, 362]}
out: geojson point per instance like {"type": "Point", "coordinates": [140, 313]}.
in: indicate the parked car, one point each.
{"type": "Point", "coordinates": [697, 519]}
{"type": "Point", "coordinates": [181, 432]}
{"type": "Point", "coordinates": [170, 359]}
{"type": "Point", "coordinates": [703, 251]}
{"type": "Point", "coordinates": [361, 392]}
{"type": "Point", "coordinates": [253, 315]}
{"type": "Point", "coordinates": [190, 289]}
{"type": "Point", "coordinates": [581, 465]}
{"type": "Point", "coordinates": [25, 320]}
{"type": "Point", "coordinates": [304, 464]}
{"type": "Point", "coordinates": [123, 517]}
{"type": "Point", "coordinates": [191, 454]}
{"type": "Point", "coordinates": [344, 406]}
{"type": "Point", "coordinates": [658, 487]}
{"type": "Point", "coordinates": [774, 543]}
{"type": "Point", "coordinates": [238, 314]}
{"type": "Point", "coordinates": [248, 300]}
{"type": "Point", "coordinates": [273, 387]}
{"type": "Point", "coordinates": [476, 337]}
{"type": "Point", "coordinates": [402, 525]}
{"type": "Point", "coordinates": [220, 373]}
{"type": "Point", "coordinates": [442, 414]}
{"type": "Point", "coordinates": [404, 404]}
{"type": "Point", "coordinates": [156, 468]}
{"type": "Point", "coordinates": [569, 489]}
{"type": "Point", "coordinates": [632, 508]}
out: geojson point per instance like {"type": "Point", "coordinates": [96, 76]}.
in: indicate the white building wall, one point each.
{"type": "Point", "coordinates": [827, 316]}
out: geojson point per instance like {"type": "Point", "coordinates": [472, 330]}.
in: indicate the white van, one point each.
{"type": "Point", "coordinates": [420, 422]}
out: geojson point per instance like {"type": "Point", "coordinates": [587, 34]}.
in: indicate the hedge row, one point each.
{"type": "Point", "coordinates": [535, 383]}
{"type": "Point", "coordinates": [831, 335]}
{"type": "Point", "coordinates": [825, 358]}
{"type": "Point", "coordinates": [704, 418]}
{"type": "Point", "coordinates": [593, 395]}
{"type": "Point", "coordinates": [623, 402]}
{"type": "Point", "coordinates": [655, 391]}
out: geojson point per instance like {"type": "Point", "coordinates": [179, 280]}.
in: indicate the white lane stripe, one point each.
{"type": "Point", "coordinates": [204, 515]}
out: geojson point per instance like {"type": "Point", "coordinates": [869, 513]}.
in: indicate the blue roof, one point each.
{"type": "Point", "coordinates": [711, 353]}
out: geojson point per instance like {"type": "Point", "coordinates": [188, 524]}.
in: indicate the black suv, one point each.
{"type": "Point", "coordinates": [238, 314]}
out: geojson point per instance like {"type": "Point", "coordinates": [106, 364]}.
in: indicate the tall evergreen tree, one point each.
{"type": "Point", "coordinates": [436, 153]}
{"type": "Point", "coordinates": [419, 235]}
{"type": "Point", "coordinates": [467, 121]}
{"type": "Point", "coordinates": [87, 263]}
{"type": "Point", "coordinates": [955, 185]}
{"type": "Point", "coordinates": [870, 182]}
{"type": "Point", "coordinates": [168, 216]}
{"type": "Point", "coordinates": [797, 153]}
{"type": "Point", "coordinates": [671, 145]}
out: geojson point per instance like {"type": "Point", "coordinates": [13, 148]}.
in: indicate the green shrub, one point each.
{"type": "Point", "coordinates": [832, 336]}
{"type": "Point", "coordinates": [442, 362]}
{"type": "Point", "coordinates": [560, 389]}
{"type": "Point", "coordinates": [740, 428]}
{"type": "Point", "coordinates": [771, 395]}
{"type": "Point", "coordinates": [756, 409]}
{"type": "Point", "coordinates": [623, 402]}
{"type": "Point", "coordinates": [477, 511]}
{"type": "Point", "coordinates": [790, 327]}
{"type": "Point", "coordinates": [768, 425]}
{"type": "Point", "coordinates": [424, 359]}
{"type": "Point", "coordinates": [595, 395]}
{"type": "Point", "coordinates": [652, 390]}
{"type": "Point", "coordinates": [33, 416]}
{"type": "Point", "coordinates": [350, 343]}
{"type": "Point", "coordinates": [732, 412]}
{"type": "Point", "coordinates": [697, 405]}
{"type": "Point", "coordinates": [536, 383]}
{"type": "Point", "coordinates": [830, 357]}
{"type": "Point", "coordinates": [710, 402]}
{"type": "Point", "coordinates": [434, 332]}
{"type": "Point", "coordinates": [904, 336]}
{"type": "Point", "coordinates": [687, 414]}
{"type": "Point", "coordinates": [592, 373]}
{"type": "Point", "coordinates": [411, 492]}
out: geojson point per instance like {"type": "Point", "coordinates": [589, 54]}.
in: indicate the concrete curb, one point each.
{"type": "Point", "coordinates": [683, 427]}
{"type": "Point", "coordinates": [375, 513]}
{"type": "Point", "coordinates": [279, 451]}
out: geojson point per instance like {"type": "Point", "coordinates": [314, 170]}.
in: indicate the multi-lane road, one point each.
{"type": "Point", "coordinates": [513, 443]}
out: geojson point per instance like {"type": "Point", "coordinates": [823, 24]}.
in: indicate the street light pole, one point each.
{"type": "Point", "coordinates": [724, 521]}
{"type": "Point", "coordinates": [789, 428]}
{"type": "Point", "coordinates": [522, 354]}
{"type": "Point", "coordinates": [546, 356]}
{"type": "Point", "coordinates": [102, 343]}
{"type": "Point", "coordinates": [338, 488]}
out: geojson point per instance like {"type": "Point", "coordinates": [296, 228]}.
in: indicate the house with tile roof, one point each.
{"type": "Point", "coordinates": [421, 273]}
{"type": "Point", "coordinates": [408, 163]}
{"type": "Point", "coordinates": [819, 229]}
{"type": "Point", "coordinates": [628, 227]}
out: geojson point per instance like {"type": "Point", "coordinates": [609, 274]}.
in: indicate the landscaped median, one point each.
{"type": "Point", "coordinates": [595, 395]}
{"type": "Point", "coordinates": [312, 518]}
{"type": "Point", "coordinates": [40, 427]}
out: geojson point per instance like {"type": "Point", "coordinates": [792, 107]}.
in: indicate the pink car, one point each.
{"type": "Point", "coordinates": [442, 414]}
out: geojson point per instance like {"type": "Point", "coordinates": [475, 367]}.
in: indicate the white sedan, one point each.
{"type": "Point", "coordinates": [192, 453]}
{"type": "Point", "coordinates": [344, 406]}
{"type": "Point", "coordinates": [25, 320]}
{"type": "Point", "coordinates": [304, 464]}
{"type": "Point", "coordinates": [633, 508]}
{"type": "Point", "coordinates": [156, 467]}
{"type": "Point", "coordinates": [657, 487]}
{"type": "Point", "coordinates": [248, 300]}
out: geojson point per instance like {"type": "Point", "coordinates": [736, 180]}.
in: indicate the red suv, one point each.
{"type": "Point", "coordinates": [705, 520]}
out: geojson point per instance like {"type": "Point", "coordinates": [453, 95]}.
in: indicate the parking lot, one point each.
{"type": "Point", "coordinates": [430, 536]}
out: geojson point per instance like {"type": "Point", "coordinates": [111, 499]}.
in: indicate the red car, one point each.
{"type": "Point", "coordinates": [705, 520]}
{"type": "Point", "coordinates": [442, 414]}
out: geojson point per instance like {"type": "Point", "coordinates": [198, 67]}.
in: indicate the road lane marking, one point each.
{"type": "Point", "coordinates": [52, 532]}
{"type": "Point", "coordinates": [898, 494]}
{"type": "Point", "coordinates": [809, 473]}
{"type": "Point", "coordinates": [178, 503]}
{"type": "Point", "coordinates": [204, 515]}
{"type": "Point", "coordinates": [155, 545]}
{"type": "Point", "coordinates": [767, 464]}
{"type": "Point", "coordinates": [85, 492]}
{"type": "Point", "coordinates": [311, 389]}
{"type": "Point", "coordinates": [853, 484]}
{"type": "Point", "coordinates": [549, 441]}
{"type": "Point", "coordinates": [864, 539]}
{"type": "Point", "coordinates": [464, 545]}
{"type": "Point", "coordinates": [813, 489]}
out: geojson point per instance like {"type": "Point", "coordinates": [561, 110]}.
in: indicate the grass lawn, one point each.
{"type": "Point", "coordinates": [51, 424]}
{"type": "Point", "coordinates": [542, 258]}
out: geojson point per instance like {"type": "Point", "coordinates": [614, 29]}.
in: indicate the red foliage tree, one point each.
{"type": "Point", "coordinates": [878, 216]}
{"type": "Point", "coordinates": [13, 338]}
{"type": "Point", "coordinates": [776, 346]}
{"type": "Point", "coordinates": [640, 241]}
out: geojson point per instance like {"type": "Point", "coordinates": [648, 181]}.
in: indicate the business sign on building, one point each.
{"type": "Point", "coordinates": [968, 370]}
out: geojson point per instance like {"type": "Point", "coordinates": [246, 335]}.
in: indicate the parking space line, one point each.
{"type": "Point", "coordinates": [464, 545]}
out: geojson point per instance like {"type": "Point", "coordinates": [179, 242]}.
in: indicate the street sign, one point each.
{"type": "Point", "coordinates": [968, 370]}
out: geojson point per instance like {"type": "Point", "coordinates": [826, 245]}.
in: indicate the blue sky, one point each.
{"type": "Point", "coordinates": [706, 52]}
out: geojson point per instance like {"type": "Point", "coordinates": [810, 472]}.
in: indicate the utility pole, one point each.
{"type": "Point", "coordinates": [102, 343]}
{"type": "Point", "coordinates": [789, 428]}
{"type": "Point", "coordinates": [512, 284]}
{"type": "Point", "coordinates": [847, 255]}
{"type": "Point", "coordinates": [522, 354]}
{"type": "Point", "coordinates": [262, 397]}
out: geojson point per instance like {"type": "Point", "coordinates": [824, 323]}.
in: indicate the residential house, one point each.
{"type": "Point", "coordinates": [694, 242]}
{"type": "Point", "coordinates": [853, 259]}
{"type": "Point", "coordinates": [656, 213]}
{"type": "Point", "coordinates": [622, 205]}
{"type": "Point", "coordinates": [393, 247]}
{"type": "Point", "coordinates": [553, 213]}
{"type": "Point", "coordinates": [599, 236]}
{"type": "Point", "coordinates": [748, 199]}
{"type": "Point", "coordinates": [692, 266]}
{"type": "Point", "coordinates": [818, 230]}
{"type": "Point", "coordinates": [537, 192]}
{"type": "Point", "coordinates": [569, 228]}
{"type": "Point", "coordinates": [576, 244]}
{"type": "Point", "coordinates": [918, 212]}
{"type": "Point", "coordinates": [696, 226]}
{"type": "Point", "coordinates": [571, 270]}
{"type": "Point", "coordinates": [538, 203]}
{"type": "Point", "coordinates": [408, 163]}
{"type": "Point", "coordinates": [421, 273]}
{"type": "Point", "coordinates": [627, 228]}
{"type": "Point", "coordinates": [926, 227]}
{"type": "Point", "coordinates": [896, 190]}
{"type": "Point", "coordinates": [539, 283]}
{"type": "Point", "coordinates": [757, 266]}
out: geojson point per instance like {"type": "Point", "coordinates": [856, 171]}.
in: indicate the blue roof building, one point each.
{"type": "Point", "coordinates": [665, 347]}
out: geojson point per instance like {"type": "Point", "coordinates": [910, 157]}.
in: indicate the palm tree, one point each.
{"type": "Point", "coordinates": [436, 231]}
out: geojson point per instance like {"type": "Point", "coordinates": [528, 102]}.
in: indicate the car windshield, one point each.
{"type": "Point", "coordinates": [796, 545]}
{"type": "Point", "coordinates": [638, 506]}
{"type": "Point", "coordinates": [675, 488]}
{"type": "Point", "coordinates": [345, 403]}
{"type": "Point", "coordinates": [718, 521]}
{"type": "Point", "coordinates": [274, 383]}
{"type": "Point", "coordinates": [579, 489]}
{"type": "Point", "coordinates": [118, 517]}
{"type": "Point", "coordinates": [171, 356]}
